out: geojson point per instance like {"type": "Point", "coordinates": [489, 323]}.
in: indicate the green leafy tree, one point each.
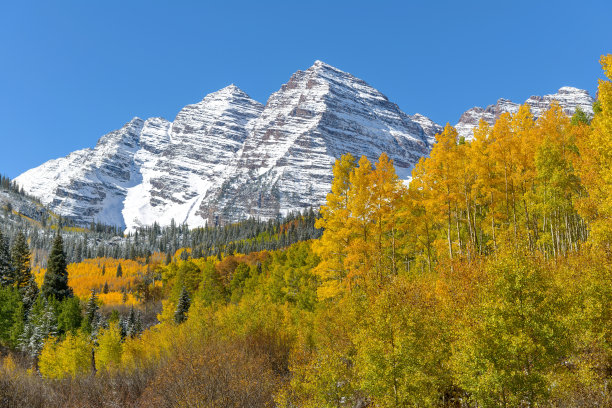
{"type": "Point", "coordinates": [56, 278]}
{"type": "Point", "coordinates": [514, 336]}
{"type": "Point", "coordinates": [188, 275]}
{"type": "Point", "coordinates": [579, 117]}
{"type": "Point", "coordinates": [241, 274]}
{"type": "Point", "coordinates": [211, 289]}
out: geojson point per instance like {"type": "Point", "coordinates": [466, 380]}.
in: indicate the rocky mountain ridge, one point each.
{"type": "Point", "coordinates": [228, 157]}
{"type": "Point", "coordinates": [569, 98]}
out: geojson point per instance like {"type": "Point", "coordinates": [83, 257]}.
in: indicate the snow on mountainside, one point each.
{"type": "Point", "coordinates": [320, 114]}
{"type": "Point", "coordinates": [90, 183]}
{"type": "Point", "coordinates": [567, 97]}
{"type": "Point", "coordinates": [228, 157]}
{"type": "Point", "coordinates": [203, 139]}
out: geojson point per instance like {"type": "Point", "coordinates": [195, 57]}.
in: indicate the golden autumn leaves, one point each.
{"type": "Point", "coordinates": [537, 182]}
{"type": "Point", "coordinates": [486, 282]}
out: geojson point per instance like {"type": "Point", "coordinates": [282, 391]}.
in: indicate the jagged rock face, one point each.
{"type": "Point", "coordinates": [319, 115]}
{"type": "Point", "coordinates": [430, 127]}
{"type": "Point", "coordinates": [567, 97]}
{"type": "Point", "coordinates": [227, 157]}
{"type": "Point", "coordinates": [90, 183]}
{"type": "Point", "coordinates": [201, 142]}
{"type": "Point", "coordinates": [151, 170]}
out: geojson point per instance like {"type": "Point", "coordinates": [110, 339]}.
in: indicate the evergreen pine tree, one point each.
{"type": "Point", "coordinates": [29, 294]}
{"type": "Point", "coordinates": [123, 329]}
{"type": "Point", "coordinates": [41, 324]}
{"type": "Point", "coordinates": [91, 313]}
{"type": "Point", "coordinates": [105, 289]}
{"type": "Point", "coordinates": [21, 256]}
{"type": "Point", "coordinates": [130, 323]}
{"type": "Point", "coordinates": [183, 307]}
{"type": "Point", "coordinates": [70, 316]}
{"type": "Point", "coordinates": [7, 277]}
{"type": "Point", "coordinates": [10, 302]}
{"type": "Point", "coordinates": [138, 328]}
{"type": "Point", "coordinates": [119, 271]}
{"type": "Point", "coordinates": [103, 269]}
{"type": "Point", "coordinates": [56, 278]}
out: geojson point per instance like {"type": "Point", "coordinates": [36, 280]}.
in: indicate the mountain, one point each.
{"type": "Point", "coordinates": [567, 97]}
{"type": "Point", "coordinates": [228, 157]}
{"type": "Point", "coordinates": [320, 114]}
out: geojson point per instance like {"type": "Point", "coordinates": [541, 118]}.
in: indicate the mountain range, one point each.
{"type": "Point", "coordinates": [228, 157]}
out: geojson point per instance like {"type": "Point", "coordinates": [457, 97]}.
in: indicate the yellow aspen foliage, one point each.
{"type": "Point", "coordinates": [513, 336]}
{"type": "Point", "coordinates": [336, 236]}
{"type": "Point", "coordinates": [556, 182]}
{"type": "Point", "coordinates": [387, 192]}
{"type": "Point", "coordinates": [167, 312]}
{"type": "Point", "coordinates": [358, 261]}
{"type": "Point", "coordinates": [98, 272]}
{"type": "Point", "coordinates": [416, 227]}
{"type": "Point", "coordinates": [8, 364]}
{"type": "Point", "coordinates": [436, 177]}
{"type": "Point", "coordinates": [362, 232]}
{"type": "Point", "coordinates": [108, 352]}
{"type": "Point", "coordinates": [70, 357]}
{"type": "Point", "coordinates": [596, 163]}
{"type": "Point", "coordinates": [149, 348]}
{"type": "Point", "coordinates": [502, 151]}
{"type": "Point", "coordinates": [87, 275]}
{"type": "Point", "coordinates": [115, 298]}
{"type": "Point", "coordinates": [402, 346]}
{"type": "Point", "coordinates": [486, 193]}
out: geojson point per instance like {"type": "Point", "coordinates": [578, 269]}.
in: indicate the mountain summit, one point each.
{"type": "Point", "coordinates": [320, 114]}
{"type": "Point", "coordinates": [229, 157]}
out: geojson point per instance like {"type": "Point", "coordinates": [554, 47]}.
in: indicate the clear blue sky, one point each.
{"type": "Point", "coordinates": [72, 71]}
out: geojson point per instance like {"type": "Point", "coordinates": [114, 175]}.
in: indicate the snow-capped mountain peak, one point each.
{"type": "Point", "coordinates": [569, 98]}
{"type": "Point", "coordinates": [228, 157]}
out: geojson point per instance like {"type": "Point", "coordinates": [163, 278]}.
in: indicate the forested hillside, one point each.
{"type": "Point", "coordinates": [485, 283]}
{"type": "Point", "coordinates": [21, 213]}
